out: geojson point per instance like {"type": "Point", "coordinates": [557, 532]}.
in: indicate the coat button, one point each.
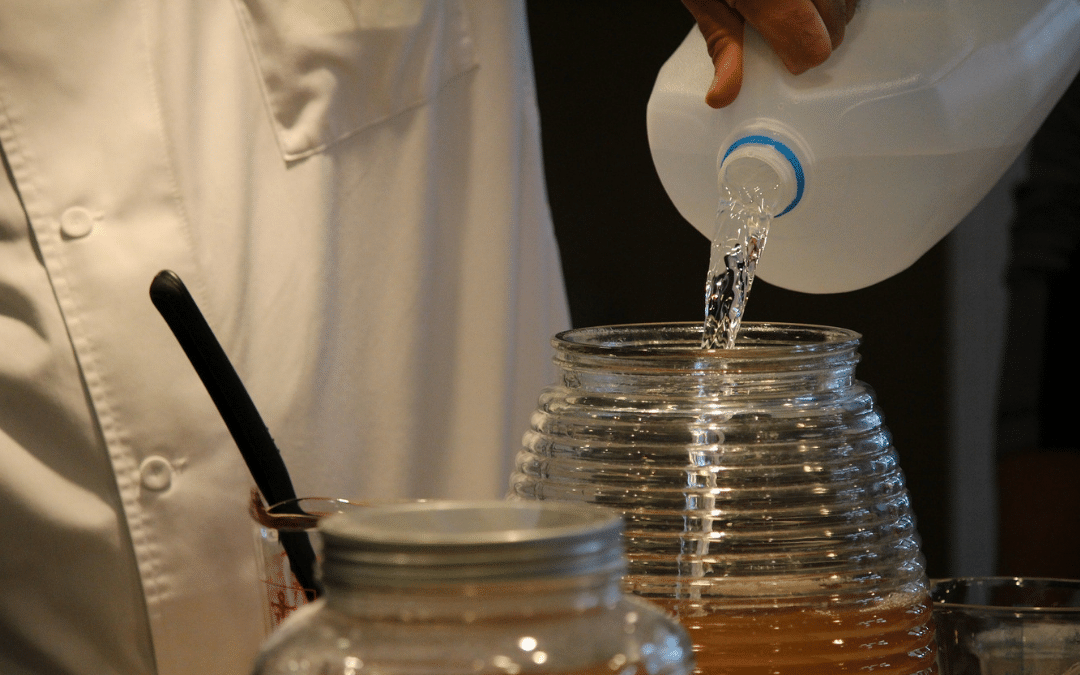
{"type": "Point", "coordinates": [76, 222]}
{"type": "Point", "coordinates": [155, 473]}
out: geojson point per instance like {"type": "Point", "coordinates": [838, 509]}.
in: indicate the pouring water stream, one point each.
{"type": "Point", "coordinates": [748, 195]}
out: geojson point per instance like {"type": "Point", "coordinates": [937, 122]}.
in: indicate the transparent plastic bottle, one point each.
{"type": "Point", "coordinates": [441, 588]}
{"type": "Point", "coordinates": [882, 149]}
{"type": "Point", "coordinates": [763, 499]}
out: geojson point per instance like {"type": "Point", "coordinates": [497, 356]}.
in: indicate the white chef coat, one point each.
{"type": "Point", "coordinates": [352, 190]}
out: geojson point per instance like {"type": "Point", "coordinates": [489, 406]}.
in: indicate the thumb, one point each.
{"type": "Point", "coordinates": [723, 31]}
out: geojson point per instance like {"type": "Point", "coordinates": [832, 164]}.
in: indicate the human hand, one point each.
{"type": "Point", "coordinates": [803, 33]}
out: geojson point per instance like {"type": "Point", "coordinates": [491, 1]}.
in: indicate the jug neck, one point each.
{"type": "Point", "coordinates": [762, 171]}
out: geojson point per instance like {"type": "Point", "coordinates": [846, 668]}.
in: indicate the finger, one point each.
{"type": "Point", "coordinates": [794, 29]}
{"type": "Point", "coordinates": [722, 28]}
{"type": "Point", "coordinates": [850, 9]}
{"type": "Point", "coordinates": [834, 14]}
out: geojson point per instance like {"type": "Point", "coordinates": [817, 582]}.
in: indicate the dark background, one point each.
{"type": "Point", "coordinates": [628, 256]}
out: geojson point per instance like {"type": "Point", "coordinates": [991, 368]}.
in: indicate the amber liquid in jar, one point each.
{"type": "Point", "coordinates": [893, 639]}
{"type": "Point", "coordinates": [607, 668]}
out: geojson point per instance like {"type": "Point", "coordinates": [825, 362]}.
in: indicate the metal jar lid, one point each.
{"type": "Point", "coordinates": [442, 542]}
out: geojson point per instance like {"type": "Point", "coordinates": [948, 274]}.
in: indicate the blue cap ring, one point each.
{"type": "Point", "coordinates": [800, 177]}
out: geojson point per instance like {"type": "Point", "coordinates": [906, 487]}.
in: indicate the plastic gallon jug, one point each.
{"type": "Point", "coordinates": [880, 151]}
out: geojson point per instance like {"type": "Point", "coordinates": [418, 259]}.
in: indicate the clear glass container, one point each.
{"type": "Point", "coordinates": [1007, 625]}
{"type": "Point", "coordinates": [477, 587]}
{"type": "Point", "coordinates": [762, 496]}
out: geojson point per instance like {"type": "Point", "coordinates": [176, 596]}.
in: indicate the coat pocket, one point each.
{"type": "Point", "coordinates": [330, 68]}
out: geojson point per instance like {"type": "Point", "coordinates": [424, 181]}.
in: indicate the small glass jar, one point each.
{"type": "Point", "coordinates": [475, 587]}
{"type": "Point", "coordinates": [763, 500]}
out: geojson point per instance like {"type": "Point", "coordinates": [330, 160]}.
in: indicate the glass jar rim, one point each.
{"type": "Point", "coordinates": [301, 513]}
{"type": "Point", "coordinates": [762, 339]}
{"type": "Point", "coordinates": [953, 594]}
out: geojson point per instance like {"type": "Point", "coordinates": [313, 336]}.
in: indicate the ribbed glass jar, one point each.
{"type": "Point", "coordinates": [762, 496]}
{"type": "Point", "coordinates": [475, 588]}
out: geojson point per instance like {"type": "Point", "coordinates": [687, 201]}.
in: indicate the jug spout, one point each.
{"type": "Point", "coordinates": [765, 166]}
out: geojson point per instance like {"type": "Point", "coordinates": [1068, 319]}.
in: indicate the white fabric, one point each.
{"type": "Point", "coordinates": [352, 190]}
